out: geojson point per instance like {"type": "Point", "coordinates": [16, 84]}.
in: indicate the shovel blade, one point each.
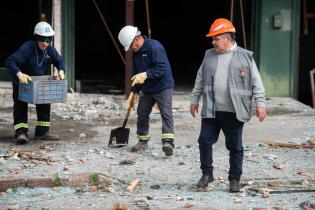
{"type": "Point", "coordinates": [119, 137]}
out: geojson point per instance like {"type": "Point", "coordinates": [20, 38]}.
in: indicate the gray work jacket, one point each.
{"type": "Point", "coordinates": [243, 80]}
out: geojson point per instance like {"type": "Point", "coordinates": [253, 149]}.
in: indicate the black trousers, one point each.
{"type": "Point", "coordinates": [209, 134]}
{"type": "Point", "coordinates": [20, 109]}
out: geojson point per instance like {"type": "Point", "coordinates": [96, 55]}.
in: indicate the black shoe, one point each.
{"type": "Point", "coordinates": [141, 145]}
{"type": "Point", "coordinates": [22, 139]}
{"type": "Point", "coordinates": [204, 181]}
{"type": "Point", "coordinates": [168, 148]}
{"type": "Point", "coordinates": [234, 186]}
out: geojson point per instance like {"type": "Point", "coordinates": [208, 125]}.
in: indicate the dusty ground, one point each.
{"type": "Point", "coordinates": [165, 183]}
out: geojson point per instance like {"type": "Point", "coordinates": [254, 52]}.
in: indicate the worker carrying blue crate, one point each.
{"type": "Point", "coordinates": [33, 58]}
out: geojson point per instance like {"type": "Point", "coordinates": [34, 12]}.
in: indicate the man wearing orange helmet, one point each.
{"type": "Point", "coordinates": [227, 80]}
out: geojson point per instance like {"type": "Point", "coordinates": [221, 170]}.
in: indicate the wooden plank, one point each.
{"type": "Point", "coordinates": [133, 184]}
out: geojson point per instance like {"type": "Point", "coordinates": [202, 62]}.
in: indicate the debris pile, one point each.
{"type": "Point", "coordinates": [88, 109]}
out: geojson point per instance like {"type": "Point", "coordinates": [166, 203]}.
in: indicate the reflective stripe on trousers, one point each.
{"type": "Point", "coordinates": [43, 123]}
{"type": "Point", "coordinates": [20, 125]}
{"type": "Point", "coordinates": [168, 136]}
{"type": "Point", "coordinates": [144, 137]}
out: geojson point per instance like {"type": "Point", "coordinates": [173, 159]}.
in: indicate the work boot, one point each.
{"type": "Point", "coordinates": [168, 149]}
{"type": "Point", "coordinates": [234, 186]}
{"type": "Point", "coordinates": [47, 136]}
{"type": "Point", "coordinates": [204, 181]}
{"type": "Point", "coordinates": [22, 139]}
{"type": "Point", "coordinates": [168, 146]}
{"type": "Point", "coordinates": [141, 145]}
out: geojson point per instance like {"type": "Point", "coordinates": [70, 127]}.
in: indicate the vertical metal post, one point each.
{"type": "Point", "coordinates": [231, 11]}
{"type": "Point", "coordinates": [148, 17]}
{"type": "Point", "coordinates": [243, 24]}
{"type": "Point", "coordinates": [312, 74]}
{"type": "Point", "coordinates": [305, 21]}
{"type": "Point", "coordinates": [128, 56]}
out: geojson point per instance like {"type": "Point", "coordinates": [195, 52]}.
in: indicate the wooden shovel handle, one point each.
{"type": "Point", "coordinates": [132, 103]}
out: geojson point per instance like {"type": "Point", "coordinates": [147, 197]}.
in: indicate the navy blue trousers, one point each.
{"type": "Point", "coordinates": [209, 134]}
{"type": "Point", "coordinates": [164, 101]}
{"type": "Point", "coordinates": [20, 116]}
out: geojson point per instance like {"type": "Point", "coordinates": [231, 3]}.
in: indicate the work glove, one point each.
{"type": "Point", "coordinates": [132, 99]}
{"type": "Point", "coordinates": [24, 78]}
{"type": "Point", "coordinates": [139, 78]}
{"type": "Point", "coordinates": [61, 74]}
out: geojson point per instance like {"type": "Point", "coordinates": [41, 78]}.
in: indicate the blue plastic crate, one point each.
{"type": "Point", "coordinates": [43, 90]}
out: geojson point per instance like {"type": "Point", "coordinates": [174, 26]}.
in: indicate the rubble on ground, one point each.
{"type": "Point", "coordinates": [87, 174]}
{"type": "Point", "coordinates": [102, 108]}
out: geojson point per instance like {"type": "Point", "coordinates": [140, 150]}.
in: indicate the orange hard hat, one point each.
{"type": "Point", "coordinates": [221, 26]}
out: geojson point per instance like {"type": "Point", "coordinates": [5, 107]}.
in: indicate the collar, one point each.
{"type": "Point", "coordinates": [233, 48]}
{"type": "Point", "coordinates": [144, 46]}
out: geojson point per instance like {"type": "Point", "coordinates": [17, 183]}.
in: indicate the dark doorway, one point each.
{"type": "Point", "coordinates": [181, 26]}
{"type": "Point", "coordinates": [17, 20]}
{"type": "Point", "coordinates": [306, 59]}
{"type": "Point", "coordinates": [98, 65]}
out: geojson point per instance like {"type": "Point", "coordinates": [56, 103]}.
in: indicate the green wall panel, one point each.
{"type": "Point", "coordinates": [68, 30]}
{"type": "Point", "coordinates": [276, 46]}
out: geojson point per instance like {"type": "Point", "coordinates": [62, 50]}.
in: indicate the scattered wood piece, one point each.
{"type": "Point", "coordinates": [278, 208]}
{"type": "Point", "coordinates": [279, 166]}
{"type": "Point", "coordinates": [287, 190]}
{"type": "Point", "coordinates": [128, 161]}
{"type": "Point", "coordinates": [93, 188]}
{"type": "Point", "coordinates": [188, 206]}
{"type": "Point", "coordinates": [32, 155]}
{"type": "Point", "coordinates": [311, 141]}
{"type": "Point", "coordinates": [117, 179]}
{"type": "Point", "coordinates": [273, 184]}
{"type": "Point", "coordinates": [121, 206]}
{"type": "Point", "coordinates": [133, 184]}
{"type": "Point", "coordinates": [307, 205]}
{"type": "Point", "coordinates": [304, 173]}
{"type": "Point", "coordinates": [5, 156]}
{"type": "Point", "coordinates": [273, 144]}
{"type": "Point", "coordinates": [265, 195]}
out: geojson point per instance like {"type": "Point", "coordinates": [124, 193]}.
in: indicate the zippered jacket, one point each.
{"type": "Point", "coordinates": [244, 83]}
{"type": "Point", "coordinates": [29, 59]}
{"type": "Point", "coordinates": [152, 59]}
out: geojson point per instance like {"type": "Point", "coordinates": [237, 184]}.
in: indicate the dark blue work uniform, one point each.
{"type": "Point", "coordinates": [31, 60]}
{"type": "Point", "coordinates": [158, 87]}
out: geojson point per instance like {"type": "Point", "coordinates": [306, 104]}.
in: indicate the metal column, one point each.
{"type": "Point", "coordinates": [128, 56]}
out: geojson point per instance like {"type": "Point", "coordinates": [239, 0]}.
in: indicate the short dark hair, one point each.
{"type": "Point", "coordinates": [230, 34]}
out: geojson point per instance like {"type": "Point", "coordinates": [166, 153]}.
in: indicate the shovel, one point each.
{"type": "Point", "coordinates": [119, 136]}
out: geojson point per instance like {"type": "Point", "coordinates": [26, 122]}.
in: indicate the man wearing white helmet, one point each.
{"type": "Point", "coordinates": [152, 74]}
{"type": "Point", "coordinates": [33, 58]}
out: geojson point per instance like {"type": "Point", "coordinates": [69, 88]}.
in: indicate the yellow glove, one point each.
{"type": "Point", "coordinates": [131, 102]}
{"type": "Point", "coordinates": [24, 78]}
{"type": "Point", "coordinates": [139, 78]}
{"type": "Point", "coordinates": [61, 74]}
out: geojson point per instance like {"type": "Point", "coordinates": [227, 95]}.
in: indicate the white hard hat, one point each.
{"type": "Point", "coordinates": [127, 35]}
{"type": "Point", "coordinates": [44, 29]}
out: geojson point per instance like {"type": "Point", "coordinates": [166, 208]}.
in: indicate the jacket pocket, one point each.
{"type": "Point", "coordinates": [246, 107]}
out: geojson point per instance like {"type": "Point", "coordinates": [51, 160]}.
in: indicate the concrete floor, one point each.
{"type": "Point", "coordinates": [288, 121]}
